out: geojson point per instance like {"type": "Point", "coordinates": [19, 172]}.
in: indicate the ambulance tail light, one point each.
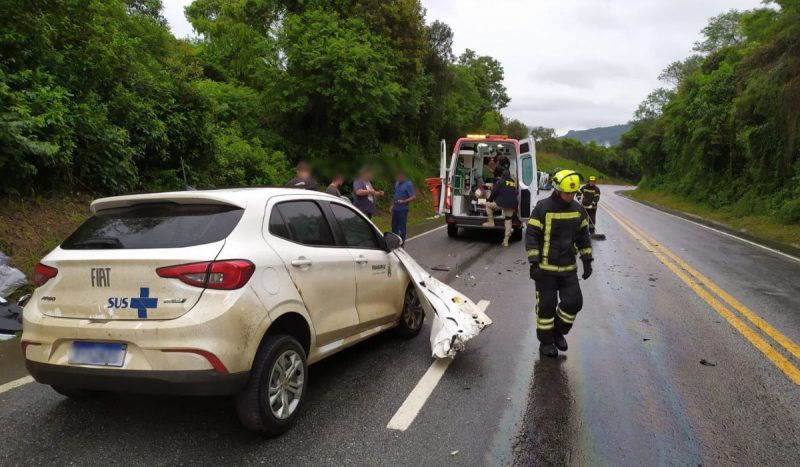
{"type": "Point", "coordinates": [221, 275]}
{"type": "Point", "coordinates": [42, 274]}
{"type": "Point", "coordinates": [448, 198]}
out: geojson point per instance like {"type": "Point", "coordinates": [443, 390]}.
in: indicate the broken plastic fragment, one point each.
{"type": "Point", "coordinates": [455, 319]}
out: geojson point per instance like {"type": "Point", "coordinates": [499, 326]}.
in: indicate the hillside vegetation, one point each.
{"type": "Point", "coordinates": [98, 96]}
{"type": "Point", "coordinates": [724, 132]}
{"type": "Point", "coordinates": [549, 162]}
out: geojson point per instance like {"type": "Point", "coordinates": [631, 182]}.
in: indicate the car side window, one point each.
{"type": "Point", "coordinates": [357, 232]}
{"type": "Point", "coordinates": [306, 223]}
{"type": "Point", "coordinates": [277, 226]}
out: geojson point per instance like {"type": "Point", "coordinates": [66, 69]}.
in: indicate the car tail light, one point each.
{"type": "Point", "coordinates": [223, 275]}
{"type": "Point", "coordinates": [42, 274]}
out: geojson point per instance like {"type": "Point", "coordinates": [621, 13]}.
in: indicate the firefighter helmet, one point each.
{"type": "Point", "coordinates": [592, 178]}
{"type": "Point", "coordinates": [567, 181]}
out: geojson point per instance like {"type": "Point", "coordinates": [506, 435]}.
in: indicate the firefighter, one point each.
{"type": "Point", "coordinates": [557, 230]}
{"type": "Point", "coordinates": [590, 197]}
{"type": "Point", "coordinates": [504, 199]}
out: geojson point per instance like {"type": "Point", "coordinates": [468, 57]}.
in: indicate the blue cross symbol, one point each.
{"type": "Point", "coordinates": [143, 302]}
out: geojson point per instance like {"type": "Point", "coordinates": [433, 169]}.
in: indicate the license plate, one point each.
{"type": "Point", "coordinates": [97, 353]}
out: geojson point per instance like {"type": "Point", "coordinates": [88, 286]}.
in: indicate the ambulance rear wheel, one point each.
{"type": "Point", "coordinates": [516, 235]}
{"type": "Point", "coordinates": [452, 230]}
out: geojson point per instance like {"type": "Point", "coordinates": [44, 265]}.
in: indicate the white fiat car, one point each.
{"type": "Point", "coordinates": [214, 292]}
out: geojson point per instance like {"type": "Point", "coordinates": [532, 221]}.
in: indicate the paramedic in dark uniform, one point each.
{"type": "Point", "coordinates": [590, 197]}
{"type": "Point", "coordinates": [503, 198]}
{"type": "Point", "coordinates": [558, 230]}
{"type": "Point", "coordinates": [502, 163]}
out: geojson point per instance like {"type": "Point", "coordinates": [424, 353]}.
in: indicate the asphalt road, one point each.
{"type": "Point", "coordinates": [630, 391]}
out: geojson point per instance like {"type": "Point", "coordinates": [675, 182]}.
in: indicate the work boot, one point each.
{"type": "Point", "coordinates": [548, 350]}
{"type": "Point", "coordinates": [505, 242]}
{"type": "Point", "coordinates": [561, 343]}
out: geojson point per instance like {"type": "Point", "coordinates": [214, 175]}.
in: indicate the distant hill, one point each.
{"type": "Point", "coordinates": [604, 136]}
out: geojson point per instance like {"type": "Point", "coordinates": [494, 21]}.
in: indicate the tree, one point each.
{"type": "Point", "coordinates": [488, 75]}
{"type": "Point", "coordinates": [653, 105]}
{"type": "Point", "coordinates": [724, 30]}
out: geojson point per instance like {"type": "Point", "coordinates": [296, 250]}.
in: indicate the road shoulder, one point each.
{"type": "Point", "coordinates": [779, 247]}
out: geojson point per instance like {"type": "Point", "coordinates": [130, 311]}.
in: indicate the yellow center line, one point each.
{"type": "Point", "coordinates": [791, 371]}
{"type": "Point", "coordinates": [751, 316]}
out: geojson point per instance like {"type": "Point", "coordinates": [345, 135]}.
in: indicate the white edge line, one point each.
{"type": "Point", "coordinates": [426, 233]}
{"type": "Point", "coordinates": [15, 384]}
{"type": "Point", "coordinates": [749, 242]}
{"type": "Point", "coordinates": [416, 399]}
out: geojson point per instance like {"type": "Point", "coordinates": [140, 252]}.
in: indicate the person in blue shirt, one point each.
{"type": "Point", "coordinates": [403, 195]}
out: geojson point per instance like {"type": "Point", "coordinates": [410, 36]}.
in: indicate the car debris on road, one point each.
{"type": "Point", "coordinates": [455, 318]}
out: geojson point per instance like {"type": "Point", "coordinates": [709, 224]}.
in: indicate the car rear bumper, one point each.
{"type": "Point", "coordinates": [191, 382]}
{"type": "Point", "coordinates": [477, 221]}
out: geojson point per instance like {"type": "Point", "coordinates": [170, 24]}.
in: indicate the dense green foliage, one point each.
{"type": "Point", "coordinates": [727, 132]}
{"type": "Point", "coordinates": [97, 95]}
{"type": "Point", "coordinates": [617, 163]}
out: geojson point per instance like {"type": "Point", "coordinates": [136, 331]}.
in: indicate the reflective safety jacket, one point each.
{"type": "Point", "coordinates": [590, 196]}
{"type": "Point", "coordinates": [556, 232]}
{"type": "Point", "coordinates": [504, 193]}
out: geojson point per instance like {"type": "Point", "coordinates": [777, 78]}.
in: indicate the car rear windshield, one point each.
{"type": "Point", "coordinates": [158, 225]}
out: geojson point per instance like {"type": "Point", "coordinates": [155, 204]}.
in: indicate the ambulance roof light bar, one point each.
{"type": "Point", "coordinates": [487, 136]}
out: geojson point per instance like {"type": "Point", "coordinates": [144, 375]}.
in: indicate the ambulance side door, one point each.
{"type": "Point", "coordinates": [527, 177]}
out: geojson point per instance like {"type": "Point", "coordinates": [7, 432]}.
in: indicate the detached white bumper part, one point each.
{"type": "Point", "coordinates": [456, 319]}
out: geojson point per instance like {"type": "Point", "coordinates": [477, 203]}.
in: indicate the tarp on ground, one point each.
{"type": "Point", "coordinates": [455, 318]}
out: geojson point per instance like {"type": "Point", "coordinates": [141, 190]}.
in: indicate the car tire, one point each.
{"type": "Point", "coordinates": [75, 393]}
{"type": "Point", "coordinates": [257, 411]}
{"type": "Point", "coordinates": [452, 230]}
{"type": "Point", "coordinates": [413, 315]}
{"type": "Point", "coordinates": [516, 235]}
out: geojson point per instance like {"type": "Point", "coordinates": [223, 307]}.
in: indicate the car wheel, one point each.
{"type": "Point", "coordinates": [413, 314]}
{"type": "Point", "coordinates": [452, 230]}
{"type": "Point", "coordinates": [516, 235]}
{"type": "Point", "coordinates": [275, 392]}
{"type": "Point", "coordinates": [75, 393]}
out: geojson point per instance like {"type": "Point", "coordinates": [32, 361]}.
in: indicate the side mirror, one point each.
{"type": "Point", "coordinates": [392, 241]}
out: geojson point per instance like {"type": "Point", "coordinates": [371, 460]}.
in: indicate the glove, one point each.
{"type": "Point", "coordinates": [536, 273]}
{"type": "Point", "coordinates": [587, 268]}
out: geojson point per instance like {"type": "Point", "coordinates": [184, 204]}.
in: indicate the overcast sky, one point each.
{"type": "Point", "coordinates": [569, 64]}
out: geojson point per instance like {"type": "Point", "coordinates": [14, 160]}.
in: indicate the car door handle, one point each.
{"type": "Point", "coordinates": [301, 262]}
{"type": "Point", "coordinates": [362, 260]}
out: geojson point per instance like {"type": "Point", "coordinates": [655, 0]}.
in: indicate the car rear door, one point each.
{"type": "Point", "coordinates": [108, 268]}
{"type": "Point", "coordinates": [526, 174]}
{"type": "Point", "coordinates": [323, 272]}
{"type": "Point", "coordinates": [379, 284]}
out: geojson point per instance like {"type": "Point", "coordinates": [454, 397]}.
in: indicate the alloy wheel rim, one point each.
{"type": "Point", "coordinates": [412, 312]}
{"type": "Point", "coordinates": [286, 381]}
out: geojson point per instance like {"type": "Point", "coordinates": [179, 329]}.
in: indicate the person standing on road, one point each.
{"type": "Point", "coordinates": [403, 195]}
{"type": "Point", "coordinates": [504, 199]}
{"type": "Point", "coordinates": [303, 180]}
{"type": "Point", "coordinates": [364, 194]}
{"type": "Point", "coordinates": [590, 197]}
{"type": "Point", "coordinates": [557, 226]}
{"type": "Point", "coordinates": [335, 185]}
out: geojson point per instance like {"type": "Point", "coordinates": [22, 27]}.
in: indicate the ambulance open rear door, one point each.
{"type": "Point", "coordinates": [528, 177]}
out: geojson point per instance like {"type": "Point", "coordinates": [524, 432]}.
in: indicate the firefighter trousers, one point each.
{"type": "Point", "coordinates": [592, 212]}
{"type": "Point", "coordinates": [558, 301]}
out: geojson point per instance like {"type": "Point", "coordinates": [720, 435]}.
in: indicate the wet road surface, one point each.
{"type": "Point", "coordinates": [630, 391]}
